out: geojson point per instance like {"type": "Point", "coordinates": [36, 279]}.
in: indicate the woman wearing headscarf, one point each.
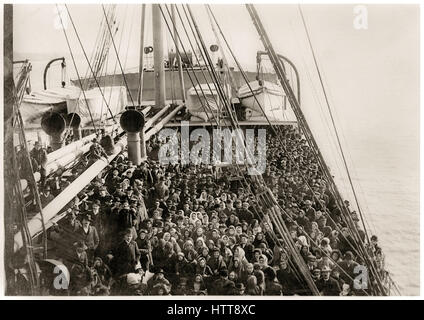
{"type": "Point", "coordinates": [203, 252]}
{"type": "Point", "coordinates": [103, 272]}
{"type": "Point", "coordinates": [336, 256]}
{"type": "Point", "coordinates": [260, 276]}
{"type": "Point", "coordinates": [236, 266]}
{"type": "Point", "coordinates": [197, 286]}
{"type": "Point", "coordinates": [203, 197]}
{"type": "Point", "coordinates": [189, 251]}
{"type": "Point", "coordinates": [199, 244]}
{"type": "Point", "coordinates": [240, 254]}
{"type": "Point", "coordinates": [246, 273]}
{"type": "Point", "coordinates": [263, 262]}
{"type": "Point", "coordinates": [255, 227]}
{"type": "Point", "coordinates": [193, 217]}
{"type": "Point", "coordinates": [325, 246]}
{"type": "Point", "coordinates": [180, 266]}
{"type": "Point", "coordinates": [277, 253]}
{"type": "Point", "coordinates": [216, 261]}
{"type": "Point", "coordinates": [232, 220]}
{"type": "Point", "coordinates": [198, 233]}
{"type": "Point", "coordinates": [272, 287]}
{"type": "Point", "coordinates": [158, 247]}
{"type": "Point", "coordinates": [259, 238]}
{"type": "Point", "coordinates": [227, 255]}
{"type": "Point", "coordinates": [186, 234]}
{"type": "Point", "coordinates": [199, 216]}
{"type": "Point", "coordinates": [334, 239]}
{"type": "Point", "coordinates": [167, 261]}
{"type": "Point", "coordinates": [252, 288]}
{"type": "Point", "coordinates": [203, 268]}
{"type": "Point", "coordinates": [304, 252]}
{"type": "Point", "coordinates": [205, 220]}
{"type": "Point", "coordinates": [210, 244]}
{"type": "Point", "coordinates": [266, 251]}
{"type": "Point", "coordinates": [286, 277]}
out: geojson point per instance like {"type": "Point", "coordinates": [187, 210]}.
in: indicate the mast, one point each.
{"type": "Point", "coordinates": [141, 61]}
{"type": "Point", "coordinates": [143, 153]}
{"type": "Point", "coordinates": [180, 67]}
{"type": "Point", "coordinates": [158, 56]}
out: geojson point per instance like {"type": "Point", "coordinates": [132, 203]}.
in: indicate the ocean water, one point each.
{"type": "Point", "coordinates": [388, 176]}
{"type": "Point", "coordinates": [384, 165]}
{"type": "Point", "coordinates": [393, 189]}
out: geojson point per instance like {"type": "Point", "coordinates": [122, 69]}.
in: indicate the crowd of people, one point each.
{"type": "Point", "coordinates": [155, 229]}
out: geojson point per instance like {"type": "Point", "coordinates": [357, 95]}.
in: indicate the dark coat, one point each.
{"type": "Point", "coordinates": [273, 288]}
{"type": "Point", "coordinates": [288, 280]}
{"type": "Point", "coordinates": [219, 286]}
{"type": "Point", "coordinates": [349, 269]}
{"type": "Point", "coordinates": [91, 238]}
{"type": "Point", "coordinates": [126, 256]}
{"type": "Point", "coordinates": [330, 287]}
{"type": "Point", "coordinates": [248, 251]}
{"type": "Point", "coordinates": [216, 264]}
{"type": "Point", "coordinates": [246, 215]}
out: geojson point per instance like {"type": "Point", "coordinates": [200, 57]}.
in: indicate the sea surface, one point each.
{"type": "Point", "coordinates": [383, 160]}
{"type": "Point", "coordinates": [383, 156]}
{"type": "Point", "coordinates": [387, 180]}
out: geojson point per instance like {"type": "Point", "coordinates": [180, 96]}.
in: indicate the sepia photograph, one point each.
{"type": "Point", "coordinates": [190, 149]}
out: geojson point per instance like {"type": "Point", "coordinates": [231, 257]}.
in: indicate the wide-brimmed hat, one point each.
{"type": "Point", "coordinates": [80, 245]}
{"type": "Point", "coordinates": [325, 269]}
{"type": "Point", "coordinates": [86, 216]}
{"type": "Point", "coordinates": [311, 257]}
{"type": "Point", "coordinates": [240, 286]}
